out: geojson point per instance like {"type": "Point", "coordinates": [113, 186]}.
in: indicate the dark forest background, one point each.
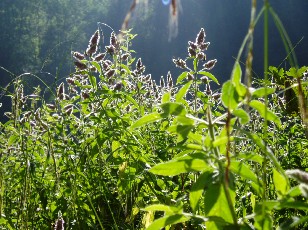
{"type": "Point", "coordinates": [38, 36]}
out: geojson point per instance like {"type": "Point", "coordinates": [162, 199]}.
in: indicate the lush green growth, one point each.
{"type": "Point", "coordinates": [115, 150]}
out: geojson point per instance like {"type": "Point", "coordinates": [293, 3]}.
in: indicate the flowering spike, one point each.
{"type": "Point", "coordinates": [210, 64]}
{"type": "Point", "coordinates": [200, 37]}
{"type": "Point", "coordinates": [93, 43]}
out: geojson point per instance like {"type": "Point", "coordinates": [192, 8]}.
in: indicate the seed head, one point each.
{"type": "Point", "coordinates": [201, 56]}
{"type": "Point", "coordinates": [204, 46]}
{"type": "Point", "coordinates": [180, 63]}
{"type": "Point", "coordinates": [51, 106]}
{"type": "Point", "coordinates": [169, 80]}
{"type": "Point", "coordinates": [110, 49]}
{"type": "Point", "coordinates": [125, 56]}
{"type": "Point", "coordinates": [298, 175]}
{"type": "Point", "coordinates": [110, 73]}
{"type": "Point", "coordinates": [190, 77]}
{"type": "Point", "coordinates": [191, 52]}
{"type": "Point", "coordinates": [60, 91]}
{"type": "Point", "coordinates": [80, 65]}
{"type": "Point", "coordinates": [118, 86]}
{"type": "Point", "coordinates": [200, 37]}
{"type": "Point", "coordinates": [114, 40]}
{"type": "Point", "coordinates": [210, 64]}
{"type": "Point", "coordinates": [192, 45]}
{"type": "Point", "coordinates": [93, 43]}
{"type": "Point", "coordinates": [59, 225]}
{"type": "Point", "coordinates": [162, 82]}
{"type": "Point", "coordinates": [99, 57]}
{"type": "Point", "coordinates": [78, 56]}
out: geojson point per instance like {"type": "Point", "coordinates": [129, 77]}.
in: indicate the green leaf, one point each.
{"type": "Point", "coordinates": [97, 66]}
{"type": "Point", "coordinates": [182, 92]}
{"type": "Point", "coordinates": [281, 183]}
{"type": "Point", "coordinates": [181, 77]}
{"type": "Point", "coordinates": [166, 97]}
{"type": "Point", "coordinates": [146, 119]}
{"type": "Point", "coordinates": [252, 157]}
{"type": "Point", "coordinates": [181, 130]}
{"type": "Point", "coordinates": [242, 115]}
{"type": "Point", "coordinates": [197, 189]}
{"type": "Point", "coordinates": [215, 204]}
{"type": "Point", "coordinates": [229, 96]}
{"type": "Point", "coordinates": [160, 207]}
{"type": "Point", "coordinates": [244, 171]}
{"type": "Point", "coordinates": [236, 80]}
{"type": "Point", "coordinates": [12, 139]}
{"type": "Point", "coordinates": [209, 75]}
{"type": "Point", "coordinates": [190, 163]}
{"type": "Point", "coordinates": [268, 152]}
{"type": "Point", "coordinates": [173, 108]}
{"type": "Point", "coordinates": [265, 112]}
{"type": "Point", "coordinates": [93, 81]}
{"type": "Point", "coordinates": [168, 220]}
{"type": "Point", "coordinates": [262, 92]}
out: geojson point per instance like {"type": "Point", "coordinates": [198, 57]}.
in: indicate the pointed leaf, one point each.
{"type": "Point", "coordinates": [182, 92]}
{"type": "Point", "coordinates": [190, 163]}
{"type": "Point", "coordinates": [181, 77]}
{"type": "Point", "coordinates": [215, 203]}
{"type": "Point", "coordinates": [173, 108]}
{"type": "Point", "coordinates": [265, 112]}
{"type": "Point", "coordinates": [209, 75]}
{"type": "Point", "coordinates": [146, 119]}
{"type": "Point", "coordinates": [197, 189]}
{"type": "Point", "coordinates": [167, 220]}
{"type": "Point", "coordinates": [229, 96]}
{"type": "Point", "coordinates": [281, 183]}
{"type": "Point", "coordinates": [262, 92]}
{"type": "Point", "coordinates": [242, 115]}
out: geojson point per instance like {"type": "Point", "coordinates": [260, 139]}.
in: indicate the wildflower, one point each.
{"type": "Point", "coordinates": [93, 44]}
{"type": "Point", "coordinates": [114, 41]}
{"type": "Point", "coordinates": [85, 95]}
{"type": "Point", "coordinates": [200, 37]}
{"type": "Point", "coordinates": [110, 73]}
{"type": "Point", "coordinates": [179, 63]}
{"type": "Point", "coordinates": [70, 81]}
{"type": "Point", "coordinates": [51, 106]}
{"type": "Point", "coordinates": [118, 86]}
{"type": "Point", "coordinates": [169, 80]}
{"type": "Point", "coordinates": [298, 175]}
{"type": "Point", "coordinates": [162, 82]}
{"type": "Point", "coordinates": [125, 56]}
{"type": "Point", "coordinates": [201, 56]}
{"type": "Point", "coordinates": [139, 66]}
{"type": "Point", "coordinates": [110, 49]}
{"type": "Point", "coordinates": [80, 65]}
{"type": "Point", "coordinates": [210, 64]}
{"type": "Point", "coordinates": [78, 56]}
{"type": "Point", "coordinates": [204, 46]}
{"type": "Point", "coordinates": [107, 64]}
{"type": "Point", "coordinates": [205, 79]}
{"type": "Point", "coordinates": [60, 91]}
{"type": "Point", "coordinates": [191, 52]}
{"type": "Point", "coordinates": [190, 77]}
{"type": "Point", "coordinates": [193, 45]}
{"type": "Point", "coordinates": [68, 109]}
{"type": "Point", "coordinates": [99, 57]}
{"type": "Point", "coordinates": [59, 225]}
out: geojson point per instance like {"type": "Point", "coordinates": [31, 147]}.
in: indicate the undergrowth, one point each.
{"type": "Point", "coordinates": [115, 150]}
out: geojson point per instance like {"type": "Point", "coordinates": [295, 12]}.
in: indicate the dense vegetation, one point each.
{"type": "Point", "coordinates": [113, 149]}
